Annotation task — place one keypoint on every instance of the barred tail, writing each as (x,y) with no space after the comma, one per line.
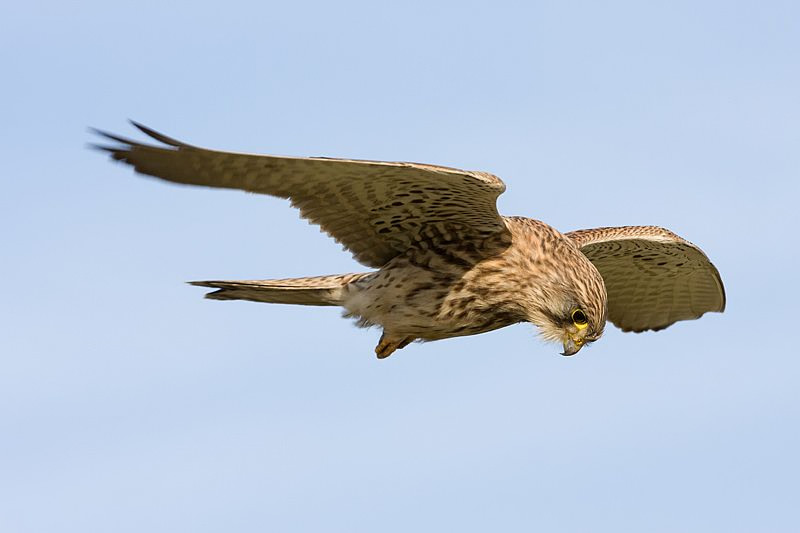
(318,290)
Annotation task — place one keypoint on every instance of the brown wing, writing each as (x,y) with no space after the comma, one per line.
(375,209)
(653,277)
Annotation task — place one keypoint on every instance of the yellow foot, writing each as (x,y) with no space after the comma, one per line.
(387,345)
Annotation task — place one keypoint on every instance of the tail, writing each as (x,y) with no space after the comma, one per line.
(318,290)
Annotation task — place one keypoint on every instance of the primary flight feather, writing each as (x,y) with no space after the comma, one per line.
(447,264)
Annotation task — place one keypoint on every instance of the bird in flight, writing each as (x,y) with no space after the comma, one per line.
(445,262)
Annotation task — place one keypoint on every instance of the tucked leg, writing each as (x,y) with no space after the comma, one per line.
(406,342)
(389,343)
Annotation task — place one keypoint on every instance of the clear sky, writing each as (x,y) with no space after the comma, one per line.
(130,404)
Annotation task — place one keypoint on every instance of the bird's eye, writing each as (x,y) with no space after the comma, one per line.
(579,319)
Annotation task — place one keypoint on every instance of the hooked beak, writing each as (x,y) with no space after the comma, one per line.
(571,347)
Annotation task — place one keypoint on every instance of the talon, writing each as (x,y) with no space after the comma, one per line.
(406,342)
(387,345)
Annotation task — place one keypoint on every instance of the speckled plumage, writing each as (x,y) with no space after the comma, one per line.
(447,263)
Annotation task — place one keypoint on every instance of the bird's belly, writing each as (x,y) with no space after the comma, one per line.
(421,303)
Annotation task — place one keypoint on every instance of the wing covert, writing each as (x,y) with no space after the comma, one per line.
(653,277)
(375,209)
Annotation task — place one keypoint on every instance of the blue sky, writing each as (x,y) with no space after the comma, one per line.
(128,403)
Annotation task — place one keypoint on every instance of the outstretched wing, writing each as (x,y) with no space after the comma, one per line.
(653,277)
(377,210)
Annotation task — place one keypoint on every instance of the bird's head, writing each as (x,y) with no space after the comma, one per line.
(579,330)
(571,305)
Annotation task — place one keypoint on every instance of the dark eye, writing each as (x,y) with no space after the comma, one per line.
(579,318)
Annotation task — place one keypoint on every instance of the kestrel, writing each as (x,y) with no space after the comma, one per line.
(446,263)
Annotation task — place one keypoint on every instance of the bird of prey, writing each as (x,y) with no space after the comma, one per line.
(445,263)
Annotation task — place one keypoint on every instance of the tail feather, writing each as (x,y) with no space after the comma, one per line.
(318,290)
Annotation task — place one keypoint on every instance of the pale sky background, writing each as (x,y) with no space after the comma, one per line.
(130,404)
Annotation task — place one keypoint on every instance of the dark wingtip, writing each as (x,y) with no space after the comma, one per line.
(113,137)
(156,135)
(221,294)
(117,153)
(202,284)
(101,147)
